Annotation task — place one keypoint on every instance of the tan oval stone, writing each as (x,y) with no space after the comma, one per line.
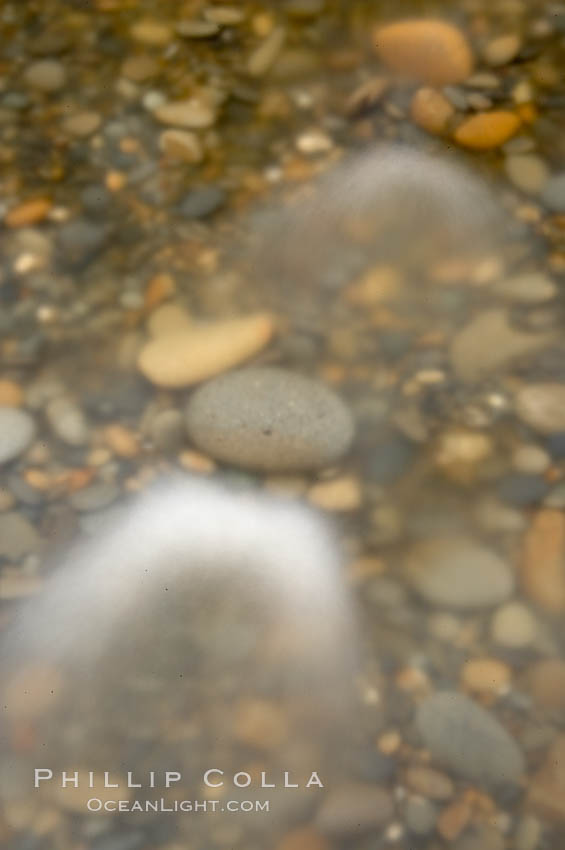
(28,212)
(543,564)
(193,113)
(487,130)
(486,676)
(188,357)
(182,145)
(11,394)
(341,494)
(431,110)
(121,440)
(433,51)
(168,319)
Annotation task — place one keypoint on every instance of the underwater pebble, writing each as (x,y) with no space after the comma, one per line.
(542,407)
(167,430)
(513,626)
(202,351)
(340,494)
(192,114)
(546,789)
(269,419)
(553,195)
(468,739)
(487,676)
(429,782)
(181,145)
(530,459)
(431,50)
(431,110)
(527,172)
(202,202)
(420,815)
(353,809)
(543,561)
(488,342)
(67,421)
(456,572)
(487,130)
(46,75)
(17,430)
(522,490)
(502,49)
(18,537)
(527,288)
(95,497)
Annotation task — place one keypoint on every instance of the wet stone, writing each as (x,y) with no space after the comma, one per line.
(527,172)
(353,810)
(17,430)
(95,497)
(202,202)
(67,421)
(96,200)
(469,740)
(553,195)
(527,288)
(542,407)
(269,419)
(80,241)
(46,75)
(522,490)
(420,815)
(456,572)
(18,537)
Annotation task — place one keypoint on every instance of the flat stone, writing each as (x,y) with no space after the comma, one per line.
(202,351)
(542,407)
(67,421)
(181,145)
(82,124)
(469,740)
(528,288)
(546,789)
(46,75)
(431,110)
(18,537)
(522,490)
(17,430)
(553,195)
(420,815)
(430,50)
(202,202)
(269,419)
(502,49)
(95,497)
(193,113)
(514,626)
(456,572)
(543,561)
(487,130)
(354,809)
(527,172)
(489,343)
(79,241)
(196,28)
(263,57)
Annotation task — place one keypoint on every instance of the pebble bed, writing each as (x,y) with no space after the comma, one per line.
(213,265)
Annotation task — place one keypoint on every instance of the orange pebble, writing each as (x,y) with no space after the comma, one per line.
(11,394)
(28,212)
(487,130)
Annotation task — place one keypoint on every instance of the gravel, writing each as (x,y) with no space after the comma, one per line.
(17,430)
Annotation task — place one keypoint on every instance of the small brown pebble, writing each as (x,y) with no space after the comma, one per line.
(366,96)
(487,130)
(151,32)
(181,145)
(546,792)
(431,110)
(341,494)
(159,288)
(121,440)
(82,124)
(432,51)
(140,68)
(429,783)
(543,562)
(197,462)
(502,50)
(11,394)
(545,682)
(28,212)
(453,819)
(37,478)
(486,676)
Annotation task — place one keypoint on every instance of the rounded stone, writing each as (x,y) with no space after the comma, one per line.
(514,626)
(17,430)
(553,195)
(429,50)
(542,407)
(457,572)
(46,75)
(67,421)
(527,172)
(487,130)
(269,419)
(469,740)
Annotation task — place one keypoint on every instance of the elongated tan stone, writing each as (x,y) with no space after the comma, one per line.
(432,51)
(543,564)
(487,130)
(198,353)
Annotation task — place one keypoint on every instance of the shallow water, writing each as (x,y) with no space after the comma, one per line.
(419,279)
